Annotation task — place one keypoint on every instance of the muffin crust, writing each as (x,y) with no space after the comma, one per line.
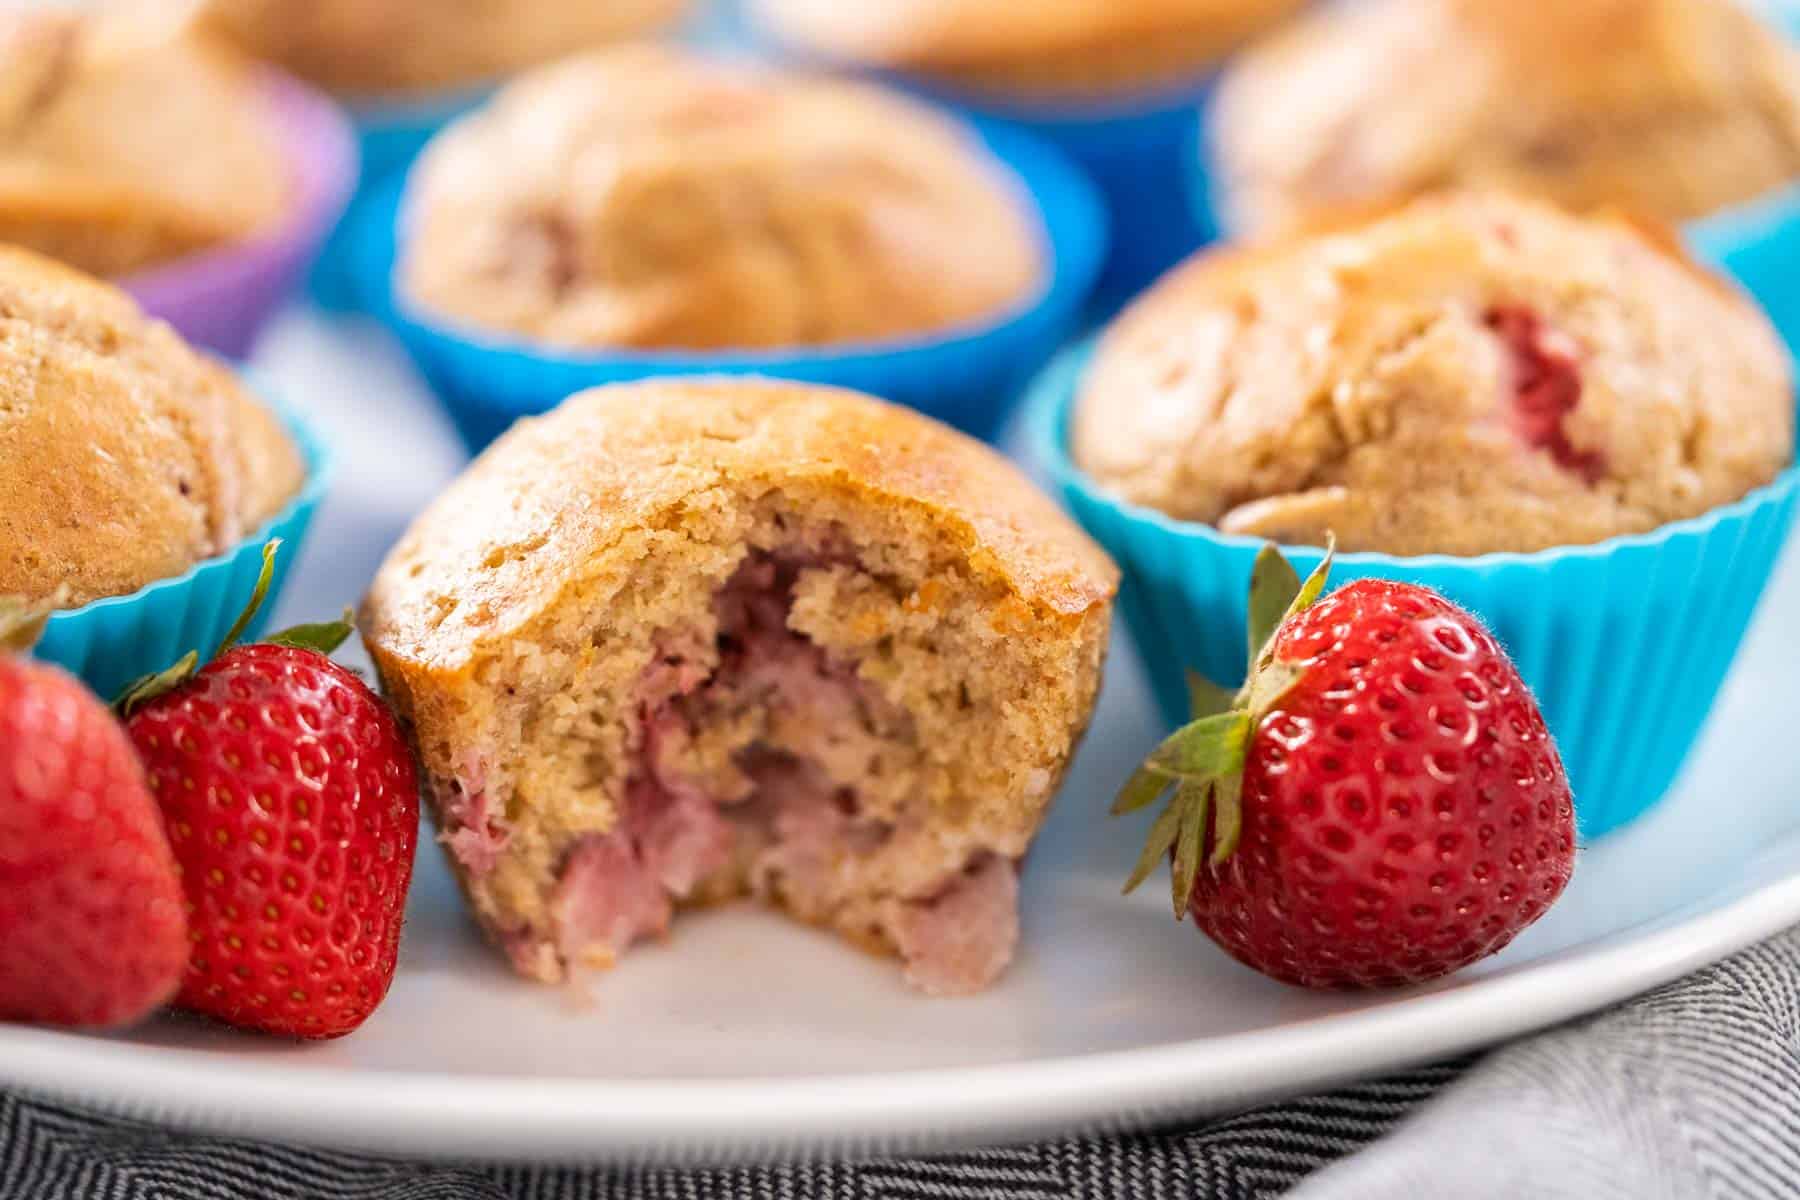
(125,457)
(1670,108)
(742,637)
(384,47)
(1046,47)
(644,197)
(1471,373)
(126,143)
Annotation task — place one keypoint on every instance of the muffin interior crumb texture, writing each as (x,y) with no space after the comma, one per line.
(798,723)
(651,198)
(778,681)
(1469,374)
(1671,108)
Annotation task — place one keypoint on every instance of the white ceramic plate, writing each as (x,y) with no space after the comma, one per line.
(749,1036)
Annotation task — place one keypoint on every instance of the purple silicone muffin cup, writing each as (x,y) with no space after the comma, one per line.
(222,299)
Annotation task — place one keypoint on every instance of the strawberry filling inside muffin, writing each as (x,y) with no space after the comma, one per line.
(763,764)
(1546,389)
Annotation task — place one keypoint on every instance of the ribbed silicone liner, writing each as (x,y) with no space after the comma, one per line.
(1624,642)
(112,641)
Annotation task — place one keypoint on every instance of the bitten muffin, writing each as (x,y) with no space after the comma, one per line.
(1470,373)
(372,48)
(647,197)
(1671,108)
(687,640)
(1044,47)
(126,143)
(125,457)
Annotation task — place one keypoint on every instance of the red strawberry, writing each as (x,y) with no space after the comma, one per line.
(91,924)
(292,805)
(1386,803)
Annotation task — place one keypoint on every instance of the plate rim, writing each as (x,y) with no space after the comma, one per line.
(517,1118)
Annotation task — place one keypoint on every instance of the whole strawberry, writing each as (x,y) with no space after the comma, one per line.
(91,925)
(1380,804)
(292,805)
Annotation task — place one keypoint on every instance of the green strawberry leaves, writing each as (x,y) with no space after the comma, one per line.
(264,579)
(1274,586)
(322,638)
(1194,759)
(1203,761)
(146,688)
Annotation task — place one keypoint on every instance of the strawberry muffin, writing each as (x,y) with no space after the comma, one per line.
(1045,48)
(126,143)
(688,640)
(1469,373)
(651,198)
(125,457)
(389,47)
(1673,108)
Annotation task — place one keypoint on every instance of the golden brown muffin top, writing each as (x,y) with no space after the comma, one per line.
(547,500)
(125,141)
(1471,373)
(644,197)
(125,457)
(1671,108)
(1046,46)
(376,47)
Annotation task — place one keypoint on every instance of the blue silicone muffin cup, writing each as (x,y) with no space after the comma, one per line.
(1139,152)
(1624,642)
(1758,244)
(113,641)
(389,135)
(968,377)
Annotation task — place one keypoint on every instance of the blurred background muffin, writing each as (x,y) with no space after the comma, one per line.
(1469,374)
(1118,85)
(1042,48)
(1671,108)
(125,457)
(127,143)
(650,197)
(389,47)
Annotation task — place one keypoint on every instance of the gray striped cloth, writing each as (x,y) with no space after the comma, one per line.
(1690,1092)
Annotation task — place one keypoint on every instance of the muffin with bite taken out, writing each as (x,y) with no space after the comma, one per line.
(687,640)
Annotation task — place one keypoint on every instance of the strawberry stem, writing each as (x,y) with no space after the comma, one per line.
(259,593)
(1204,760)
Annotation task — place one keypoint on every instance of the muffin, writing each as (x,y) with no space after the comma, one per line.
(686,640)
(650,198)
(1045,48)
(125,457)
(1469,373)
(388,47)
(127,143)
(1670,108)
